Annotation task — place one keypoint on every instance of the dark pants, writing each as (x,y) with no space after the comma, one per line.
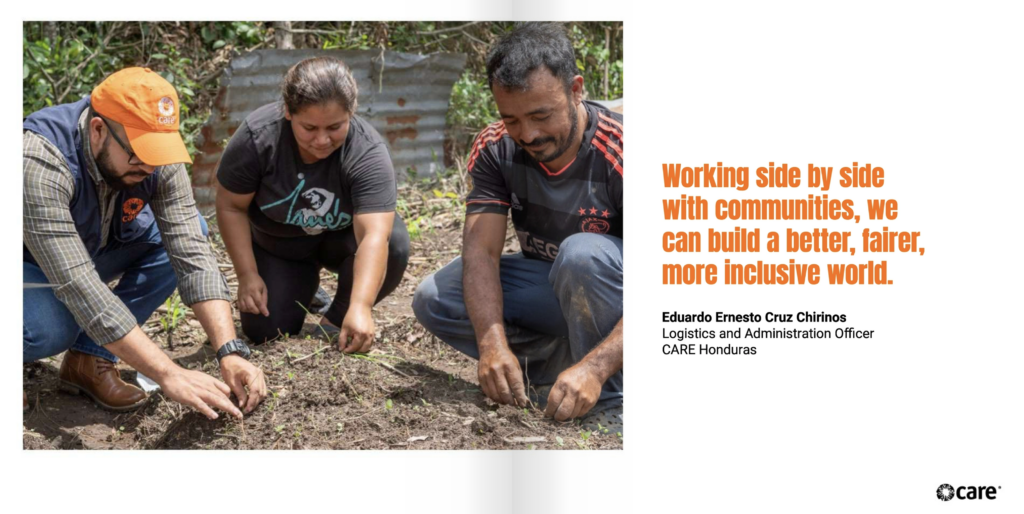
(146,281)
(555,312)
(290,268)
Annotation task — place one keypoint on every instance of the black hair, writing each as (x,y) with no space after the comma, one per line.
(528,47)
(318,80)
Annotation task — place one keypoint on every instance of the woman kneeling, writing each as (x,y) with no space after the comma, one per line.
(305,184)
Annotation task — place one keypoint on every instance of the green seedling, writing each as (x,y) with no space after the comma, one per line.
(585,435)
(388,405)
(175,310)
(291,376)
(559,441)
(619,434)
(341,427)
(425,404)
(327,337)
(279,429)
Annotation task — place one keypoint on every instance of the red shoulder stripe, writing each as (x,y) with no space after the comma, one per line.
(611,159)
(610,120)
(610,130)
(493,132)
(611,144)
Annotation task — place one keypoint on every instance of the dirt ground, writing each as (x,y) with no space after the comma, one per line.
(411,392)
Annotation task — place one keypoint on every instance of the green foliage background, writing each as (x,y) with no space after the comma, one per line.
(62,61)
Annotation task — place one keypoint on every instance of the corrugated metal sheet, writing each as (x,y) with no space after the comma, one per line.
(405,97)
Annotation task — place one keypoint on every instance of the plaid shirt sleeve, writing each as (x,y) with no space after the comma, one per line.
(50,235)
(199,278)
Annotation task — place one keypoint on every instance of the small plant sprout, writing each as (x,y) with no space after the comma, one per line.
(279,429)
(559,441)
(291,376)
(388,405)
(585,435)
(619,434)
(425,403)
(341,427)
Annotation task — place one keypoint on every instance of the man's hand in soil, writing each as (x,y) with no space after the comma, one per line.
(200,391)
(252,294)
(357,330)
(575,392)
(578,388)
(501,378)
(245,380)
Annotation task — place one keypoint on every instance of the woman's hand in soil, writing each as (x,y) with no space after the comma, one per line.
(252,294)
(501,378)
(200,391)
(357,330)
(245,380)
(575,392)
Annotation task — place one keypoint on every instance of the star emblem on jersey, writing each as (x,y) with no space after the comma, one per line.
(593,210)
(582,211)
(604,213)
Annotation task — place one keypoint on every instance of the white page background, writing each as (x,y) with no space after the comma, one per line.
(932,93)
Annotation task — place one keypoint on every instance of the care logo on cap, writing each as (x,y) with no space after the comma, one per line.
(166,108)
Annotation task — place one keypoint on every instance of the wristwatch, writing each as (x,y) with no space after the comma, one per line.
(234,346)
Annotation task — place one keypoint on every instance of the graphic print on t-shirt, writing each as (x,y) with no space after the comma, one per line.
(319,211)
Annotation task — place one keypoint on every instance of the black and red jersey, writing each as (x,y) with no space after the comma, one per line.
(550,205)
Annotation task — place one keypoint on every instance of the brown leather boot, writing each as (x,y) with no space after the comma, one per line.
(99,379)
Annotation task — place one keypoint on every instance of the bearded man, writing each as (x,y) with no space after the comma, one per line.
(550,316)
(107,197)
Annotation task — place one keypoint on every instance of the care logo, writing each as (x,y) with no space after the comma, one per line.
(131,209)
(946,492)
(166,108)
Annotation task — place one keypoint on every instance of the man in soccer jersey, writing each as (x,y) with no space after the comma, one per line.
(545,323)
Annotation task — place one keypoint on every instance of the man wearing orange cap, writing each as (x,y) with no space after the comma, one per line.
(106,195)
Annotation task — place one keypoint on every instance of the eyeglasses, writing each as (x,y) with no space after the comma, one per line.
(133,160)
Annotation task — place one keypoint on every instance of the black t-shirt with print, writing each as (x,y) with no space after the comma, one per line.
(550,205)
(295,199)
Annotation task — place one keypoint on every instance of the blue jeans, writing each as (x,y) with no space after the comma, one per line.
(147,280)
(555,313)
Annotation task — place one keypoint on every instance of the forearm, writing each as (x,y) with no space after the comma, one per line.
(483,297)
(234,229)
(368,270)
(606,359)
(215,316)
(141,353)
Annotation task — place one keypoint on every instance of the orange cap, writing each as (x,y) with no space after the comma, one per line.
(148,107)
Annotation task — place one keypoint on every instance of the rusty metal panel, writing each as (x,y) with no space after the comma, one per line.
(404,96)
